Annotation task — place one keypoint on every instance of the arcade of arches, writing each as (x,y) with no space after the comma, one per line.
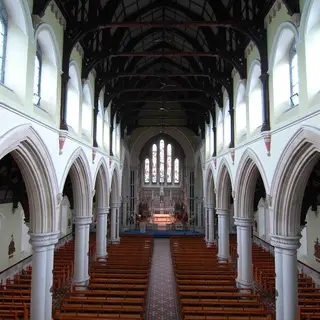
(126,121)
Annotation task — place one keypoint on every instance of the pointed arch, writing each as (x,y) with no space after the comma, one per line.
(210,186)
(224,185)
(36,166)
(245,183)
(79,169)
(115,185)
(101,183)
(292,173)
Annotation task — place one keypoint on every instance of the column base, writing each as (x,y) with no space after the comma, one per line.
(210,244)
(223,258)
(115,241)
(81,282)
(245,285)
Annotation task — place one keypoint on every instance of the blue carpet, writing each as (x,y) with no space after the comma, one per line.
(164,233)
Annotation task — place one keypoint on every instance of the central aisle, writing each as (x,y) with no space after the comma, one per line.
(162,303)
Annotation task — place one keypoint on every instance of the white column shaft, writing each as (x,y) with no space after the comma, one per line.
(279,282)
(290,284)
(210,225)
(113,223)
(246,255)
(79,253)
(101,240)
(223,225)
(49,282)
(86,255)
(239,252)
(38,283)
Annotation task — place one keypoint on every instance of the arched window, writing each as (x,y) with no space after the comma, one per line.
(294,75)
(161,158)
(169,163)
(176,171)
(3,39)
(154,163)
(241,112)
(37,76)
(87,114)
(100,125)
(106,130)
(219,129)
(147,170)
(227,125)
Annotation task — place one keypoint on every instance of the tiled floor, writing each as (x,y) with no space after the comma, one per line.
(162,303)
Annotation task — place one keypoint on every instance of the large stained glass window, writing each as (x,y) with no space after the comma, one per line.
(169,163)
(154,163)
(176,171)
(147,170)
(161,160)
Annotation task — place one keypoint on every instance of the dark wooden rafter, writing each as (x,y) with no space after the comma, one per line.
(217,43)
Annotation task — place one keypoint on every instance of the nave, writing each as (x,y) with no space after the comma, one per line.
(146,278)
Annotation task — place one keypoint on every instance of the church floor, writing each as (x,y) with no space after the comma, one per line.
(162,303)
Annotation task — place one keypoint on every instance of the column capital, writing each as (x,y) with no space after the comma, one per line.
(82,220)
(114,205)
(243,222)
(102,211)
(222,212)
(210,206)
(40,240)
(283,242)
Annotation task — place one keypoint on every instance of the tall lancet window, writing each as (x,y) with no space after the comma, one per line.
(169,163)
(147,170)
(154,163)
(161,160)
(176,171)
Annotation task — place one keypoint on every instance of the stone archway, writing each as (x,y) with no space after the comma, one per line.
(210,209)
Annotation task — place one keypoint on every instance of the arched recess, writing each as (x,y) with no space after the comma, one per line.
(79,171)
(101,182)
(254,96)
(87,111)
(210,187)
(36,166)
(292,174)
(286,36)
(224,186)
(73,97)
(115,186)
(50,66)
(310,33)
(251,190)
(241,111)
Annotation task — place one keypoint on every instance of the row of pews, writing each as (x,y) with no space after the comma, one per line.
(207,288)
(117,287)
(264,274)
(15,295)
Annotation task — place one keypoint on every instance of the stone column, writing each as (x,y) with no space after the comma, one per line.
(82,225)
(223,234)
(210,225)
(114,224)
(198,215)
(244,232)
(286,276)
(101,235)
(42,274)
(125,213)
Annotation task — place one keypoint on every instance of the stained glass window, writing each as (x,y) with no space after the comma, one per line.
(3,38)
(161,160)
(169,163)
(154,163)
(176,171)
(147,170)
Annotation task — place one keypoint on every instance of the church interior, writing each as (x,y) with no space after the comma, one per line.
(160,159)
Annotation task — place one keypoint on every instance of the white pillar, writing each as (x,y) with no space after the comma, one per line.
(101,235)
(125,213)
(287,278)
(223,234)
(41,283)
(198,215)
(114,224)
(244,232)
(210,225)
(82,225)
